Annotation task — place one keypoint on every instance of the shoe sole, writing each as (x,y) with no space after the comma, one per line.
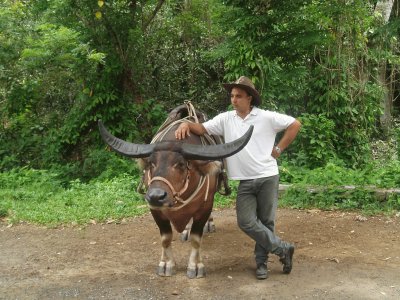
(261,277)
(262,273)
(288,267)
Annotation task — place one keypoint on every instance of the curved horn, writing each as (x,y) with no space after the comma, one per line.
(125,148)
(212,152)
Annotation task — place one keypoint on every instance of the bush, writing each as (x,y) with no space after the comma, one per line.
(101,165)
(314,144)
(324,187)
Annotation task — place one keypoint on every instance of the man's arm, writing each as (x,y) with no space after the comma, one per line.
(186,128)
(287,138)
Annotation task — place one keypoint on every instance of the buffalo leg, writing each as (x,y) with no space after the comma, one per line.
(209,227)
(195,266)
(167,262)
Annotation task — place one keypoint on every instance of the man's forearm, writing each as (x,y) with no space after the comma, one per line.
(289,135)
(197,128)
(186,128)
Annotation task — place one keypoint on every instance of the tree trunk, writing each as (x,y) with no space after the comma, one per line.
(384,7)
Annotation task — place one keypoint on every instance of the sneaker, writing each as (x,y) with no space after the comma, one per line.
(287,258)
(262,271)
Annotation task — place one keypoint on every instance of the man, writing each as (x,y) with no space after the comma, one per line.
(255,166)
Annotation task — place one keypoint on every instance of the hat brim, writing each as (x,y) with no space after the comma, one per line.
(254,93)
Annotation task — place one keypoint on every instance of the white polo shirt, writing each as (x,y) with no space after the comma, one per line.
(254,160)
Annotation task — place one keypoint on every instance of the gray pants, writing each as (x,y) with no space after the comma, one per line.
(256,204)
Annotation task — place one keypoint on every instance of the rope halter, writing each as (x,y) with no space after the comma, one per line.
(204,180)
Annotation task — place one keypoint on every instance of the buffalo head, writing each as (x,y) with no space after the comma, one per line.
(174,168)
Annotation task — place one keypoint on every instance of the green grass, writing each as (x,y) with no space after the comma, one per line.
(330,193)
(38,197)
(44,197)
(221,201)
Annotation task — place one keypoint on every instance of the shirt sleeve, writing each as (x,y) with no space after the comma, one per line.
(215,126)
(281,122)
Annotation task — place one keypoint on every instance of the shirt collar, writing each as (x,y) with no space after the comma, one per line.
(253,112)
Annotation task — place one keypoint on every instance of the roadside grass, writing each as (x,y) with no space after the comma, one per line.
(37,196)
(324,188)
(43,197)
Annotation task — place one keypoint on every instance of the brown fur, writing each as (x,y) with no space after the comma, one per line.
(172,166)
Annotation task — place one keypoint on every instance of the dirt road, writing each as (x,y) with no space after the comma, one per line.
(338,256)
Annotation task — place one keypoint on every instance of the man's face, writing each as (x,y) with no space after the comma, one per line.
(240,99)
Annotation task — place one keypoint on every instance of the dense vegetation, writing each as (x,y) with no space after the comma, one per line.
(44,197)
(64,64)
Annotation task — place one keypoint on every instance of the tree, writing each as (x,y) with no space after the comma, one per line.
(384,8)
(75,61)
(313,56)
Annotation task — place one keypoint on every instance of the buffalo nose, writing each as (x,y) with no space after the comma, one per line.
(156,196)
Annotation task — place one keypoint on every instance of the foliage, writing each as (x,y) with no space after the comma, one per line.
(315,57)
(335,173)
(66,64)
(38,196)
(315,141)
(396,134)
(339,198)
(101,164)
(45,197)
(48,197)
(324,187)
(221,201)
(41,95)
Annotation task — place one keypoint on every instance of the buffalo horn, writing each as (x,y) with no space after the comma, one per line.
(125,148)
(213,152)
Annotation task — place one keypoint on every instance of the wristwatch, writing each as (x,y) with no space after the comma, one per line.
(277,149)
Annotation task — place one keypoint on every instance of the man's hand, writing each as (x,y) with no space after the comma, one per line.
(275,154)
(287,139)
(182,131)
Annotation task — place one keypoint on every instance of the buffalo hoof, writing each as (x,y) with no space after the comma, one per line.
(198,272)
(165,269)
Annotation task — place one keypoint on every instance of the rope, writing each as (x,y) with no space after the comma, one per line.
(188,200)
(206,139)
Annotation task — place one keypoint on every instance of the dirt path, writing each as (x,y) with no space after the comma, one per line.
(338,256)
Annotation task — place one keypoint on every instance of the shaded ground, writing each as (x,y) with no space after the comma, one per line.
(338,256)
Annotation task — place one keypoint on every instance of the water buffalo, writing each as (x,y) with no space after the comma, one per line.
(181,180)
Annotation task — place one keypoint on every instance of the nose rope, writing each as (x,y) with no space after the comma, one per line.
(176,194)
(203,179)
(177,197)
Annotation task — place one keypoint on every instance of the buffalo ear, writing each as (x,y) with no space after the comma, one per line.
(143,163)
(207,167)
